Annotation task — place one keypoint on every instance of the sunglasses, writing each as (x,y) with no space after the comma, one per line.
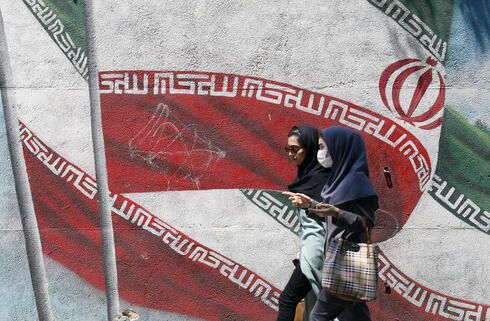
(292,149)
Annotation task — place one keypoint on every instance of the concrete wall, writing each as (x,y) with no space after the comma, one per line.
(197,98)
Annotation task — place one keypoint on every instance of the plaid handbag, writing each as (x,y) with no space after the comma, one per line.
(350,270)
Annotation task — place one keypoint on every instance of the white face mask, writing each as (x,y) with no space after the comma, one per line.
(323,159)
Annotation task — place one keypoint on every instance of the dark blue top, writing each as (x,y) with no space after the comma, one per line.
(349,178)
(348,187)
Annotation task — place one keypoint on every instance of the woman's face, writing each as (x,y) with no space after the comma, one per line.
(323,156)
(296,152)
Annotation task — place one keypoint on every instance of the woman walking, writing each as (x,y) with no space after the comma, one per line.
(311,177)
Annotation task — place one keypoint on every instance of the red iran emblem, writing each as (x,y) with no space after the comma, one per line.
(423,108)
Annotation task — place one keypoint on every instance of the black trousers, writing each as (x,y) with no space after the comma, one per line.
(297,288)
(328,307)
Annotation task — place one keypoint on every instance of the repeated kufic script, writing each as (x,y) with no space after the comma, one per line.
(195,252)
(56,29)
(345,113)
(278,210)
(397,11)
(57,165)
(430,301)
(140,217)
(459,204)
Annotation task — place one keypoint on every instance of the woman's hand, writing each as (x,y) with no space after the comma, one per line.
(298,199)
(323,210)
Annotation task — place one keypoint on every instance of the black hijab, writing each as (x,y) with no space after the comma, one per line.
(349,179)
(311,175)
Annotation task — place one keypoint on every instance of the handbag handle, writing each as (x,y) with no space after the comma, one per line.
(368,233)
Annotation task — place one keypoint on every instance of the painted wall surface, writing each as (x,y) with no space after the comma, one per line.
(197,98)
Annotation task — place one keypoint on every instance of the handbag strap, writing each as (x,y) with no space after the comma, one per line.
(368,233)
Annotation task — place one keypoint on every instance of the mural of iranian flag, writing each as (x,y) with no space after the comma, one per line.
(209,106)
(197,99)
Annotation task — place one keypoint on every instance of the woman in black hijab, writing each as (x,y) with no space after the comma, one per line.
(348,203)
(311,177)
